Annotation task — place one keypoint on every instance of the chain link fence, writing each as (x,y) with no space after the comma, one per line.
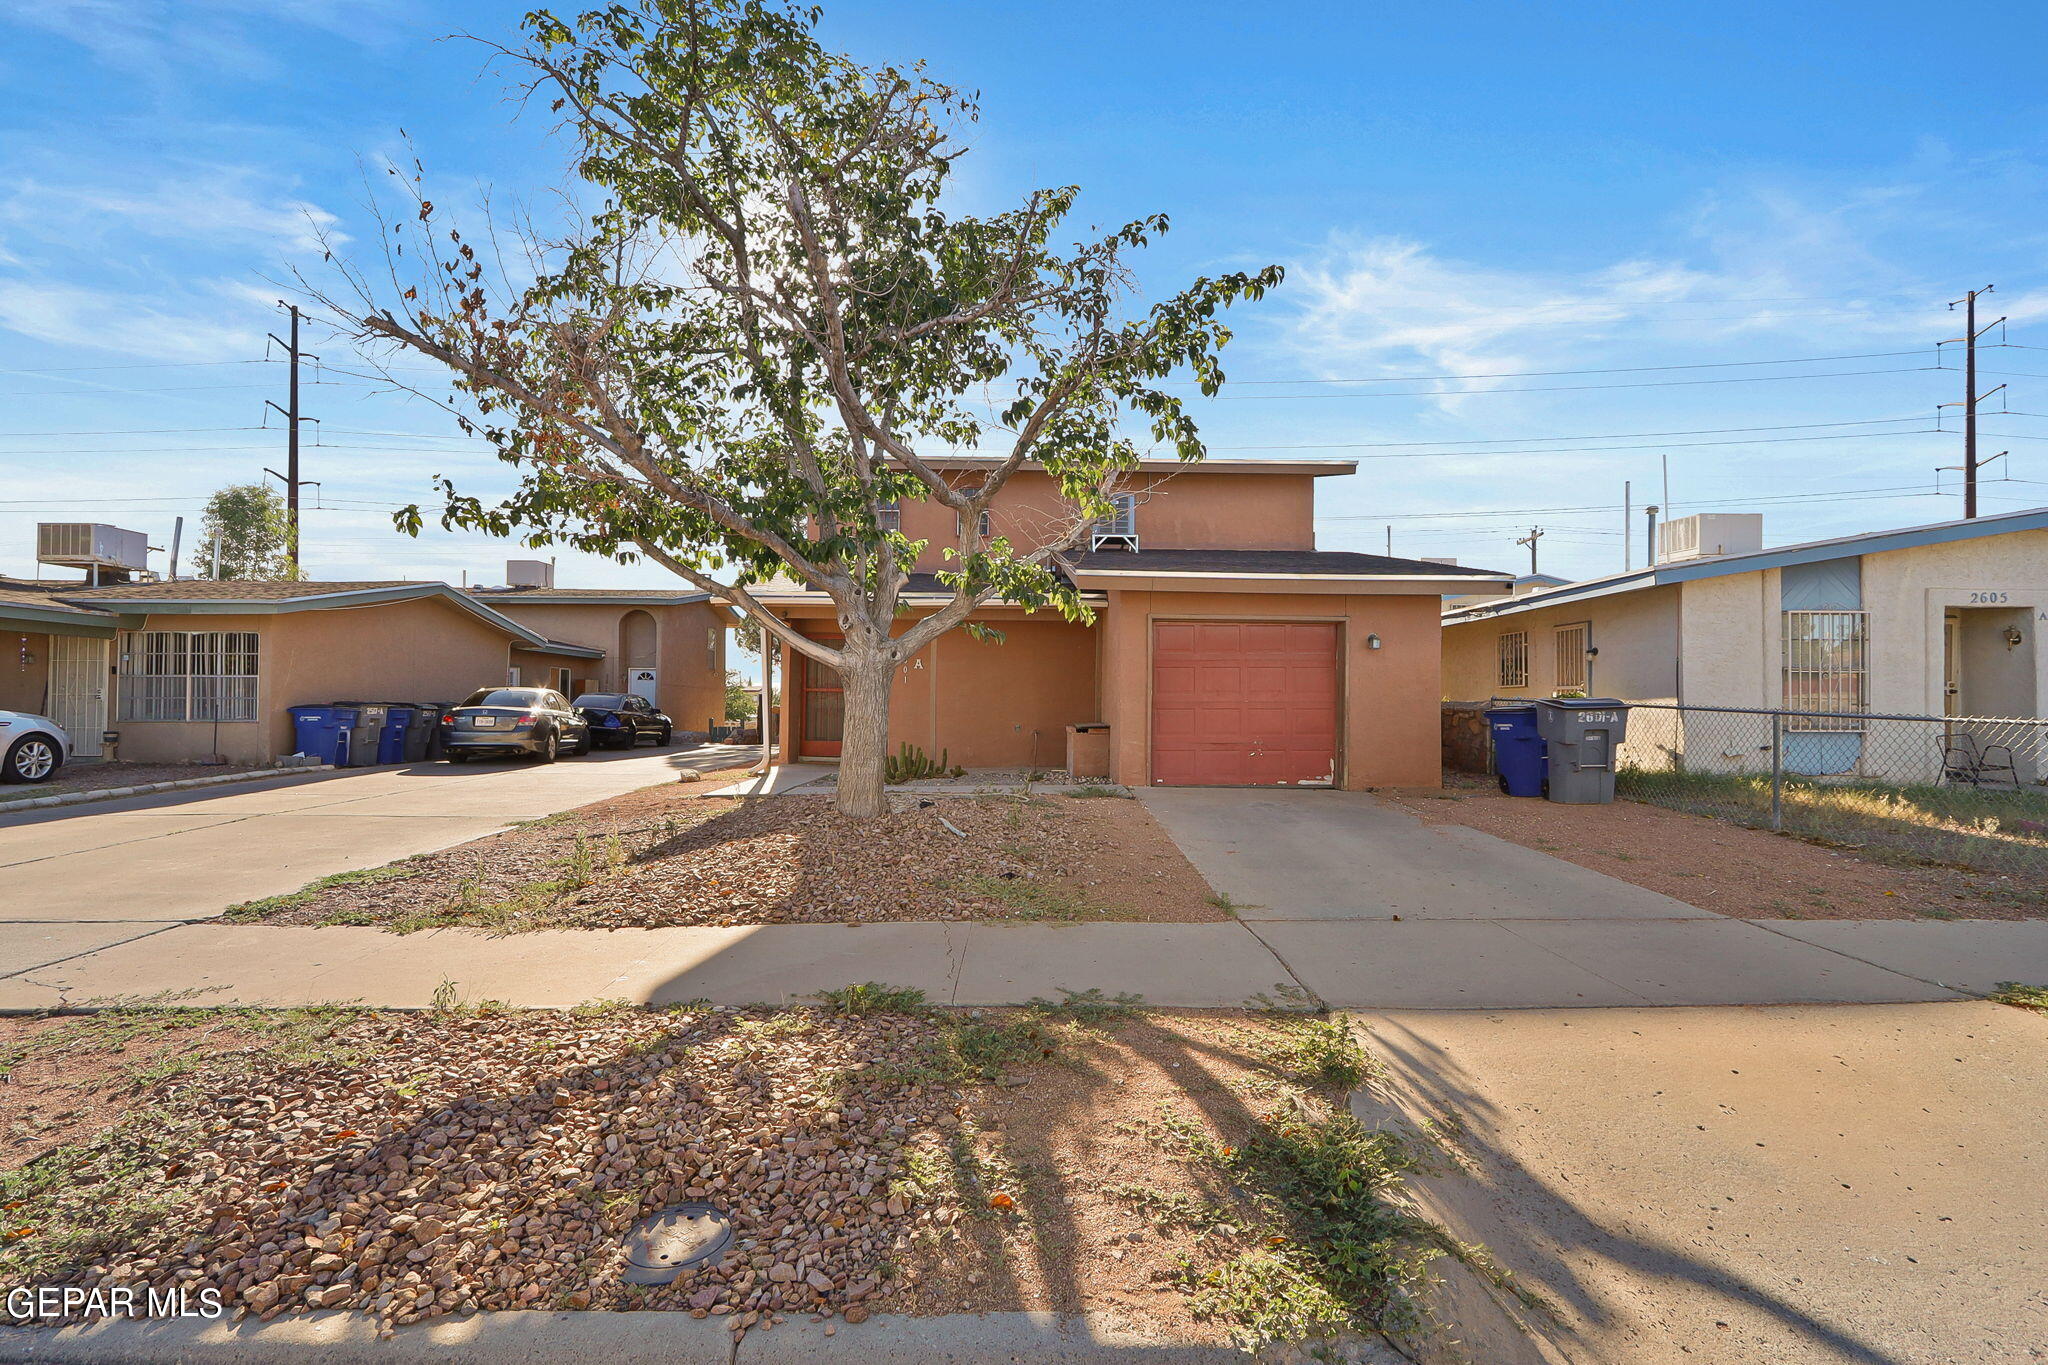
(1965,791)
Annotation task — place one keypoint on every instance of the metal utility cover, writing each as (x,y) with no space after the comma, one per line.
(663,1245)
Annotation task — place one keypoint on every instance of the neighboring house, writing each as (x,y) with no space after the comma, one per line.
(667,646)
(1522,587)
(1225,650)
(196,667)
(1929,620)
(53,660)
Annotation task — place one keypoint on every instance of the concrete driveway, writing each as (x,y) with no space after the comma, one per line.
(1838,1185)
(1368,906)
(78,878)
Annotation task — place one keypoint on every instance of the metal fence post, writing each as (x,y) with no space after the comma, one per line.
(1777,770)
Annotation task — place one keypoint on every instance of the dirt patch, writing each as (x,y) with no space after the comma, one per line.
(1723,867)
(661,857)
(871,1155)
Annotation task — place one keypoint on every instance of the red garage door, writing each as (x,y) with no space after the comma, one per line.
(1243,703)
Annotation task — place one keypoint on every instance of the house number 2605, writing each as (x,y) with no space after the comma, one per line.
(1990,597)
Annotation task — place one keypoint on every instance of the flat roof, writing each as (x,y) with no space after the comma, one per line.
(1313,468)
(1783,556)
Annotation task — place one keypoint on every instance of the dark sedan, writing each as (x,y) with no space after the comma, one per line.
(619,720)
(514,720)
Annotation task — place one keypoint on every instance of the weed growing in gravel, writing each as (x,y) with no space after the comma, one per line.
(1165,1209)
(1028,899)
(1098,793)
(247,911)
(1092,1007)
(2021,996)
(295,1035)
(1321,1054)
(872,997)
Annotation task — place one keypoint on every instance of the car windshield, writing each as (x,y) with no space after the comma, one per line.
(601,701)
(504,696)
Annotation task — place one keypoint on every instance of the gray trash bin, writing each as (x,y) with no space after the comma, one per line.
(1584,735)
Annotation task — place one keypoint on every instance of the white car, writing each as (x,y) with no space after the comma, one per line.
(32,747)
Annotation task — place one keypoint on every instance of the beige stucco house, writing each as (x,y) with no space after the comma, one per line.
(1940,620)
(188,668)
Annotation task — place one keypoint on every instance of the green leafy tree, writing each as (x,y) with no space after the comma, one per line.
(255,532)
(741,697)
(773,322)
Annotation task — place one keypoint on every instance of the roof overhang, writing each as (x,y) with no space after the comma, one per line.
(561,647)
(1378,585)
(354,599)
(56,621)
(618,599)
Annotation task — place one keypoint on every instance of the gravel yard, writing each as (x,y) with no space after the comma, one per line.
(1724,867)
(662,857)
(871,1154)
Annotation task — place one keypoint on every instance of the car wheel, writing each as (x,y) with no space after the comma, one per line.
(550,746)
(581,746)
(668,733)
(457,755)
(32,758)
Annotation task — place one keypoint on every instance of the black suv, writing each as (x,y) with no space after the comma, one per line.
(513,720)
(619,720)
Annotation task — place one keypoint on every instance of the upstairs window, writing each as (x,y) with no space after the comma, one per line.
(889,516)
(960,526)
(1514,659)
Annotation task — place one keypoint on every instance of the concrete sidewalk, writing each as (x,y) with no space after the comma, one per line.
(1358,965)
(188,855)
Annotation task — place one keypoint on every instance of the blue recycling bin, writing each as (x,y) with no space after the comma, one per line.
(391,739)
(1519,753)
(318,732)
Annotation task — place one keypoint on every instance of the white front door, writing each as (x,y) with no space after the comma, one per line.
(640,682)
(78,690)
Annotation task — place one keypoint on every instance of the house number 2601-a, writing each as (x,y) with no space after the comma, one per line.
(1993,597)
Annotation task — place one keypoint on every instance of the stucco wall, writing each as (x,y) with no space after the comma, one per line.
(23,680)
(403,651)
(1390,729)
(1636,634)
(690,641)
(1907,593)
(1182,511)
(986,705)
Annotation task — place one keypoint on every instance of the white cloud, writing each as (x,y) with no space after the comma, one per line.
(208,203)
(155,38)
(74,315)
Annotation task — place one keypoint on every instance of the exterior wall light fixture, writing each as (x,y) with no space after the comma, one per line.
(1372,642)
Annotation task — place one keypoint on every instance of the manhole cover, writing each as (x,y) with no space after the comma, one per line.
(664,1245)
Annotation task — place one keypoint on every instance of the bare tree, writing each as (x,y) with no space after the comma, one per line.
(770,328)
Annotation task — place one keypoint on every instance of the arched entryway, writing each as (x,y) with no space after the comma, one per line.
(639,654)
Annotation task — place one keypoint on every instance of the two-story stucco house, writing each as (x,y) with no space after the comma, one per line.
(1225,648)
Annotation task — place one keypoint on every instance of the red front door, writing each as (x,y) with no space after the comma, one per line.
(824,710)
(1243,703)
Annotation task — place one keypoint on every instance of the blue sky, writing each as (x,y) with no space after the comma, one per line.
(1455,189)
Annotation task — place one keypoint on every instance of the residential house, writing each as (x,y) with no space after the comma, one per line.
(187,668)
(1945,619)
(1226,649)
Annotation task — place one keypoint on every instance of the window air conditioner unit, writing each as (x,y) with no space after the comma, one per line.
(1119,532)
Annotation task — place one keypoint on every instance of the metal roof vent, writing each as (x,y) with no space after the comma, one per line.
(663,1245)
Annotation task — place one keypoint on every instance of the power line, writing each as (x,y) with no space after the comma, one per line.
(1573,388)
(1616,369)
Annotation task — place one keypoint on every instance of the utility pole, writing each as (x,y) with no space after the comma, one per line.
(1628,526)
(1971,398)
(1390,540)
(292,481)
(1535,534)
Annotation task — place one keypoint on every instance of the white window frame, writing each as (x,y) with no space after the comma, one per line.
(1122,527)
(889,515)
(960,524)
(190,675)
(1511,668)
(1573,666)
(1824,665)
(512,676)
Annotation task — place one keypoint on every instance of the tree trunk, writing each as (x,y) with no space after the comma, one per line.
(864,735)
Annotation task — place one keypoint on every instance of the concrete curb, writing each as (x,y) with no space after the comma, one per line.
(606,1338)
(151,788)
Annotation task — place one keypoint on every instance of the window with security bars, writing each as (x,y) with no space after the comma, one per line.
(189,675)
(1514,659)
(889,515)
(1826,658)
(1570,645)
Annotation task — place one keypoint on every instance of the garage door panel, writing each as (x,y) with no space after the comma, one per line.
(1244,703)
